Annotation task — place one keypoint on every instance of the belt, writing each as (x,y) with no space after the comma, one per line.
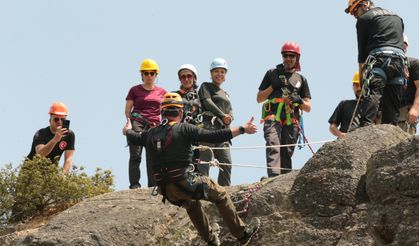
(272,117)
(387,50)
(169,175)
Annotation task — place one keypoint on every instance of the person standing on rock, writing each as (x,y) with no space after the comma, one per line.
(344,112)
(285,94)
(217,114)
(192,106)
(409,110)
(382,62)
(170,148)
(142,107)
(51,142)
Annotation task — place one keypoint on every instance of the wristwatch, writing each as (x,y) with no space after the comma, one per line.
(241,130)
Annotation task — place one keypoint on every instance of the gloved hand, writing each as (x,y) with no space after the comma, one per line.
(296,99)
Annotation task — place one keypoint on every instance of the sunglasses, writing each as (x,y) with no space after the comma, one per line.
(149,73)
(184,76)
(58,119)
(289,55)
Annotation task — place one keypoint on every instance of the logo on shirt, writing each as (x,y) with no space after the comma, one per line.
(63,145)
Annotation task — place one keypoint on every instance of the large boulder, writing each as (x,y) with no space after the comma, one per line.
(333,181)
(392,185)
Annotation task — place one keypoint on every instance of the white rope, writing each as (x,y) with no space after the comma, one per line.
(215,163)
(202,147)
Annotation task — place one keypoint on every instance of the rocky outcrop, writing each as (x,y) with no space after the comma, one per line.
(361,190)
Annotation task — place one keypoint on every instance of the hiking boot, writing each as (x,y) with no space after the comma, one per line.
(250,230)
(135,186)
(215,232)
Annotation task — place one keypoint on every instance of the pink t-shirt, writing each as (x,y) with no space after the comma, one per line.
(147,102)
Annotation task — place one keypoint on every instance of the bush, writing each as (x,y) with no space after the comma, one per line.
(40,186)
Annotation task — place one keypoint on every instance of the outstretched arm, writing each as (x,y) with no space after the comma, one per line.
(222,135)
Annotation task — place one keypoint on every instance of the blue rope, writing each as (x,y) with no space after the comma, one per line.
(301,133)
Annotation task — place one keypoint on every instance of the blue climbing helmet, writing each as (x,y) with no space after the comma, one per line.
(218,63)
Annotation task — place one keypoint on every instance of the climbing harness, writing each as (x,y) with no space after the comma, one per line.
(175,176)
(139,116)
(191,107)
(162,136)
(267,106)
(388,54)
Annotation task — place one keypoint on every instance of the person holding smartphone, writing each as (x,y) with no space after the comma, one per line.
(57,138)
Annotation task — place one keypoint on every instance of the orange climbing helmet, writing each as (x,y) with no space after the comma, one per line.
(58,108)
(352,5)
(172,99)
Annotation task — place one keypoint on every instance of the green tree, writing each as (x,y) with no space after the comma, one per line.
(39,185)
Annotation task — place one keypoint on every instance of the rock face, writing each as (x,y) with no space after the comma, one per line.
(361,190)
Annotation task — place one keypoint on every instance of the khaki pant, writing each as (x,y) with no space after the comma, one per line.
(215,194)
(411,129)
(279,159)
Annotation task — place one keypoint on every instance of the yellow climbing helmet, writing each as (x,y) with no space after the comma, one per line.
(149,65)
(355,80)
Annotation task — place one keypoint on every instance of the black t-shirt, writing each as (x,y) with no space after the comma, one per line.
(177,145)
(220,98)
(281,80)
(378,28)
(343,114)
(44,135)
(410,92)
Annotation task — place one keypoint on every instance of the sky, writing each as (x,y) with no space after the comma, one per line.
(87,54)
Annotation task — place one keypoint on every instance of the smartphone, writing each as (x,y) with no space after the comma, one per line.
(66,124)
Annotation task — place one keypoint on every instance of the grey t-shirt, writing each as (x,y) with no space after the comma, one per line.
(220,98)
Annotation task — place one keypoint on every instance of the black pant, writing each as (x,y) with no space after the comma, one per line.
(135,152)
(383,96)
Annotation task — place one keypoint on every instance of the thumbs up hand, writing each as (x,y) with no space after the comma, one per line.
(250,127)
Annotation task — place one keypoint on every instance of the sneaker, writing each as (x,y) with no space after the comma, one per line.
(250,230)
(135,186)
(215,232)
